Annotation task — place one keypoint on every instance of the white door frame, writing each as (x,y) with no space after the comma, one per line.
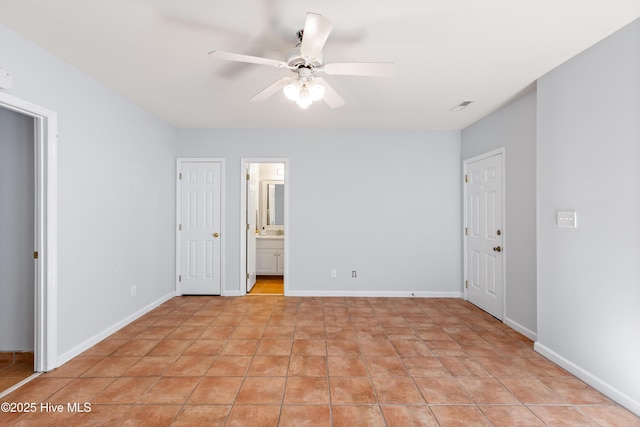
(243,220)
(179,162)
(465,165)
(46,229)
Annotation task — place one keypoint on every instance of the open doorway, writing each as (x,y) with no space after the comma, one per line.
(17,243)
(265,215)
(41,241)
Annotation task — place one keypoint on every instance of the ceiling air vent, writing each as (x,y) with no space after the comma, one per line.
(461,106)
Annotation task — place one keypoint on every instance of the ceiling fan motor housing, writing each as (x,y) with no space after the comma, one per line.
(304,73)
(296,61)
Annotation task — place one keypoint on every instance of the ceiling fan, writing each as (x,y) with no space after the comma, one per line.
(305,61)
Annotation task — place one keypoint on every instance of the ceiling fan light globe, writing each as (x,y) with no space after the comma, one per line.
(316,91)
(292,90)
(304,103)
(305,100)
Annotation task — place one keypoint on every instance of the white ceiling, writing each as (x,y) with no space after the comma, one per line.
(154,52)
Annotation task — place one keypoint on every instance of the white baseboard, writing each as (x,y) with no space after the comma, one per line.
(595,382)
(518,327)
(374,294)
(234,293)
(65,357)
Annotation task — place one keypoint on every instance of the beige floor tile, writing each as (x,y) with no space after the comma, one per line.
(442,391)
(561,416)
(397,390)
(201,415)
(308,366)
(511,416)
(487,391)
(408,416)
(261,391)
(297,361)
(305,416)
(306,391)
(460,416)
(216,391)
(349,416)
(253,415)
(352,391)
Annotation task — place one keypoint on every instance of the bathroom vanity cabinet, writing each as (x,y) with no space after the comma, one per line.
(270,255)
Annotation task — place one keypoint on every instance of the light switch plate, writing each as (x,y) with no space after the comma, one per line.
(567,219)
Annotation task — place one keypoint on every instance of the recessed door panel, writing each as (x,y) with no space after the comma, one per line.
(192,210)
(490,271)
(475,269)
(209,211)
(490,214)
(192,259)
(209,253)
(475,215)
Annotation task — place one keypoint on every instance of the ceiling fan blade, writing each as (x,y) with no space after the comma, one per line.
(331,97)
(272,88)
(247,58)
(373,69)
(314,36)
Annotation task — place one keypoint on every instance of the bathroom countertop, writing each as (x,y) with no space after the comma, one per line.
(270,236)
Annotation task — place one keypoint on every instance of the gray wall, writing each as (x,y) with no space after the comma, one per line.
(514,128)
(116,179)
(589,277)
(386,204)
(16,231)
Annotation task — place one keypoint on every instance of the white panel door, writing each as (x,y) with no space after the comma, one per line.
(251,220)
(200,234)
(484,234)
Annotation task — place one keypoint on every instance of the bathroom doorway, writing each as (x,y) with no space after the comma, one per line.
(265,223)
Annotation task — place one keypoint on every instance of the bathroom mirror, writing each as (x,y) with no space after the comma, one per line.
(272,203)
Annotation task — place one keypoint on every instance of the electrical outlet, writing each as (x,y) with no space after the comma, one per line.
(334,273)
(567,219)
(133,291)
(354,274)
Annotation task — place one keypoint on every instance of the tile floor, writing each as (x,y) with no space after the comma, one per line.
(14,367)
(273,360)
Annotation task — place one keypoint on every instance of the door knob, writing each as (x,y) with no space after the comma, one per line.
(216,235)
(497,248)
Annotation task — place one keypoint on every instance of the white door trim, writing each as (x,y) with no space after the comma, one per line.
(46,229)
(243,225)
(465,165)
(179,162)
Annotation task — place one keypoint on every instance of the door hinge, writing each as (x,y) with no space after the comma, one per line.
(180,278)
(466,284)
(35,255)
(180,227)
(180,175)
(247,276)
(248,177)
(466,178)
(466,231)
(248,226)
